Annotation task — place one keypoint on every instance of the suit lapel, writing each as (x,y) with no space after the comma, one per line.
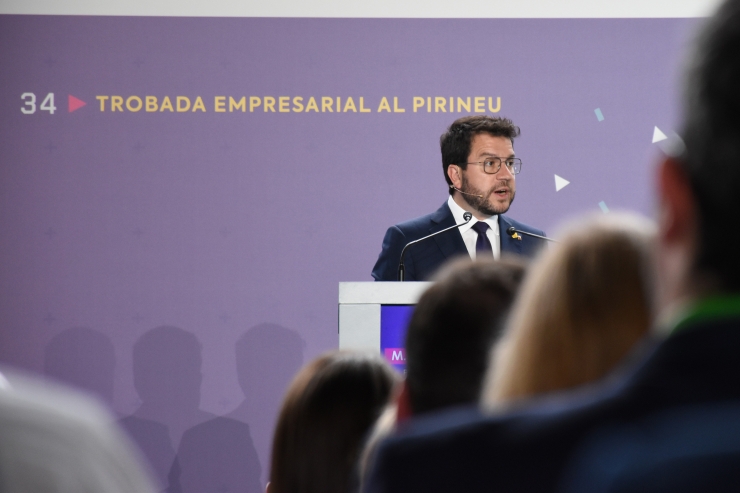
(451,243)
(508,244)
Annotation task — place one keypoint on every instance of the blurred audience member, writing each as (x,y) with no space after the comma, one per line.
(582,309)
(694,368)
(54,440)
(381,429)
(329,408)
(452,329)
(448,340)
(688,449)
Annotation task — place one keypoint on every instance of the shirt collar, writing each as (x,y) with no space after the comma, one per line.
(457,213)
(685,313)
(710,308)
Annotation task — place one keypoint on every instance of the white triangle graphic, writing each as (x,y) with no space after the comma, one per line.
(658,135)
(560,183)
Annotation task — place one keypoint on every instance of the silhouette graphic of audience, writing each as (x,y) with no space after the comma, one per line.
(167,377)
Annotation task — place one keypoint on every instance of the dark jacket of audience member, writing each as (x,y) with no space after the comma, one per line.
(449,336)
(584,305)
(452,329)
(328,409)
(638,432)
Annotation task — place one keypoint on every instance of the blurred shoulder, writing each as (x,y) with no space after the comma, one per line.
(56,439)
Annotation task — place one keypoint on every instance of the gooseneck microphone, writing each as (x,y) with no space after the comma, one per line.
(401,269)
(466,193)
(511,231)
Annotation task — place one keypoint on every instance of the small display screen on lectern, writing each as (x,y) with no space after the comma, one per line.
(394,320)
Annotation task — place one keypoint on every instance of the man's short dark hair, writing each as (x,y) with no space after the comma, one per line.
(711,157)
(452,329)
(455,142)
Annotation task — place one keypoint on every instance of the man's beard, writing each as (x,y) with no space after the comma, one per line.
(481,204)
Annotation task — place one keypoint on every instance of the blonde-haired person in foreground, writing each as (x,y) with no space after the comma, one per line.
(693,367)
(581,310)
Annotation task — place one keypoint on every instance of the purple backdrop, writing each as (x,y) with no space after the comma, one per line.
(228,232)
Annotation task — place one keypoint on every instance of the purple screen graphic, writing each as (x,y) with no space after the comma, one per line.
(394,320)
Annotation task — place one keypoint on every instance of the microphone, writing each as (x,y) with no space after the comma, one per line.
(401,269)
(466,193)
(511,231)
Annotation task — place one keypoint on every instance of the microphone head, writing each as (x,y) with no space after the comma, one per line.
(467,216)
(511,231)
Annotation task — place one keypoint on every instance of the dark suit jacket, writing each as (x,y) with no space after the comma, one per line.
(685,450)
(423,259)
(530,450)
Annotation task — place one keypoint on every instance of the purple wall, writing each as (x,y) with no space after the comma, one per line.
(232,230)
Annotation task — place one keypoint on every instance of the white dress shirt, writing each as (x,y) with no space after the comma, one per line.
(468,233)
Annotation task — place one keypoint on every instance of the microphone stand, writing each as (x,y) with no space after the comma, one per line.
(511,231)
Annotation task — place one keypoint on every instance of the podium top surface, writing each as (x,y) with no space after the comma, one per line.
(384,293)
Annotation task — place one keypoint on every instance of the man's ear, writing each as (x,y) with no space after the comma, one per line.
(677,241)
(455,176)
(677,204)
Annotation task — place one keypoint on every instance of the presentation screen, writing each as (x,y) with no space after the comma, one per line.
(394,320)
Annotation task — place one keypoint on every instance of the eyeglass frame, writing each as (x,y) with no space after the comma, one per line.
(500,162)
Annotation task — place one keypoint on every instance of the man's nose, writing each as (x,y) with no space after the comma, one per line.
(504,173)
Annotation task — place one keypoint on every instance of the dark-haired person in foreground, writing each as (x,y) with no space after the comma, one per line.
(328,409)
(449,337)
(480,167)
(453,327)
(694,372)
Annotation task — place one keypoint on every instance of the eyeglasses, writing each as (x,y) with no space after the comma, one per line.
(493,165)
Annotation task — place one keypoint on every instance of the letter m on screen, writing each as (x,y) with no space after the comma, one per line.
(395,355)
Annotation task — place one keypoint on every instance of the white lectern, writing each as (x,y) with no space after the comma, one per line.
(359,309)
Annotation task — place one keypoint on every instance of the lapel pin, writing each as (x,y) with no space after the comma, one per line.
(516,236)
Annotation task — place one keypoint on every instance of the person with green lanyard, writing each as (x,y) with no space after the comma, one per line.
(671,422)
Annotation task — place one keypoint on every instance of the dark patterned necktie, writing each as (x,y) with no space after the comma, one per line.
(482,244)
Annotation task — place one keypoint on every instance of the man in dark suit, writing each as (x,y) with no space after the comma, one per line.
(480,166)
(693,371)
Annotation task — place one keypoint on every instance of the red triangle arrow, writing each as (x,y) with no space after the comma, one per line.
(75,104)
